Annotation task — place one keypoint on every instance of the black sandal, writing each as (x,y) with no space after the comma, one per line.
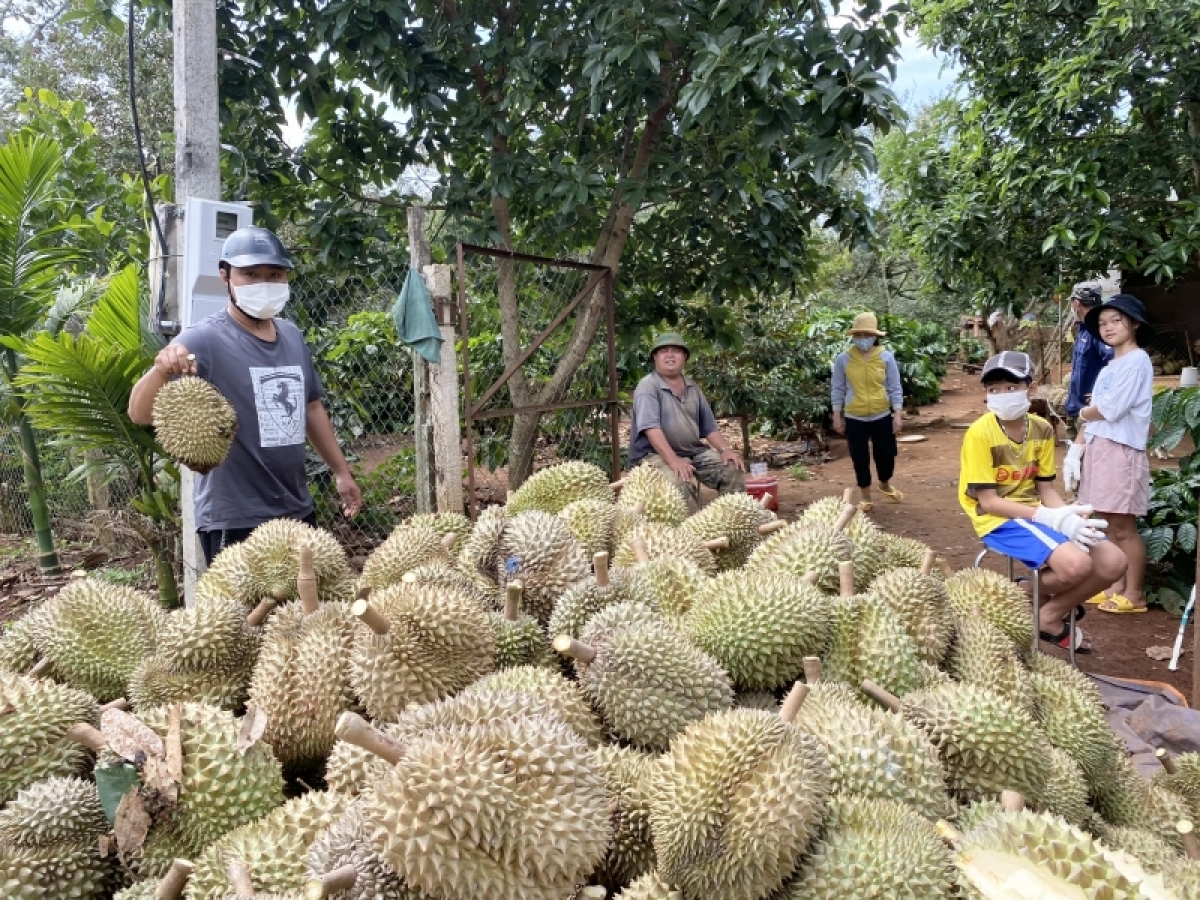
(1063,638)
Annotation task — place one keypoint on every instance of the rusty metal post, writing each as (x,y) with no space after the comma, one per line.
(468,422)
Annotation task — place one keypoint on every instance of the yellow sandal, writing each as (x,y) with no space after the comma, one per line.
(892,494)
(1120,605)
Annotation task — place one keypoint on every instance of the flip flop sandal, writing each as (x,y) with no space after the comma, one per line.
(1097,599)
(892,494)
(1061,640)
(865,506)
(1120,605)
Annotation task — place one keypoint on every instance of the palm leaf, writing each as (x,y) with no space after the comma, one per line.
(72,301)
(119,316)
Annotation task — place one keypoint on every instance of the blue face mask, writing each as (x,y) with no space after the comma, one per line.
(863,343)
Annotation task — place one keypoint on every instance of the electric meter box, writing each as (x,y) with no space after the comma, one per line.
(206,225)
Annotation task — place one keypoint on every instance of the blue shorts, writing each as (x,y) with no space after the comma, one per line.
(1028,542)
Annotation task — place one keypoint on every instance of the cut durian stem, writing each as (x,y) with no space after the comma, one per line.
(449,539)
(1187,834)
(568,646)
(1166,760)
(1012,801)
(87,735)
(239,876)
(512,601)
(120,703)
(846,578)
(171,885)
(618,484)
(844,519)
(40,668)
(600,565)
(812,669)
(371,617)
(640,552)
(331,883)
(765,501)
(768,527)
(593,892)
(848,496)
(306,582)
(354,729)
(793,701)
(721,543)
(944,565)
(948,832)
(812,577)
(259,614)
(928,561)
(880,696)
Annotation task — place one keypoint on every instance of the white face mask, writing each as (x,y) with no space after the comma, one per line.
(264,300)
(863,343)
(1009,406)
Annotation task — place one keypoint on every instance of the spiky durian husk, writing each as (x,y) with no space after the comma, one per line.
(1045,847)
(876,755)
(877,848)
(443,523)
(273,847)
(194,423)
(593,523)
(902,552)
(348,842)
(646,680)
(481,552)
(977,812)
(760,629)
(542,684)
(1071,714)
(18,652)
(227,578)
(1150,850)
(664,541)
(661,500)
(735,802)
(998,600)
(798,549)
(982,655)
(439,642)
(406,548)
(987,743)
(484,592)
(538,549)
(668,584)
(868,641)
(1185,783)
(154,683)
(866,535)
(552,488)
(649,887)
(922,604)
(756,700)
(302,679)
(929,676)
(97,633)
(32,742)
(520,642)
(272,556)
(140,890)
(1125,798)
(529,823)
(1065,792)
(735,516)
(631,854)
(210,636)
(584,599)
(49,843)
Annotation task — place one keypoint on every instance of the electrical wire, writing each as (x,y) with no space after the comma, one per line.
(161,306)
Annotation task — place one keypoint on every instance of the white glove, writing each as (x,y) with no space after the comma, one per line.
(1072,469)
(1084,533)
(1054,516)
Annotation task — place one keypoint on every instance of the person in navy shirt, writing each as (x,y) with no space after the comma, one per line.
(1090,355)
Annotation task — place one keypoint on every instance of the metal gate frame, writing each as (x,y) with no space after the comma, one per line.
(602,276)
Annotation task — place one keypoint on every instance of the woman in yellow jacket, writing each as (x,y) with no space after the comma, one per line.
(868,406)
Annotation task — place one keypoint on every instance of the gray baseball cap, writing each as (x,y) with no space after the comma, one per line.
(1087,293)
(1015,363)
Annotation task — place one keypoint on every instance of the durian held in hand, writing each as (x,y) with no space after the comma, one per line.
(194,423)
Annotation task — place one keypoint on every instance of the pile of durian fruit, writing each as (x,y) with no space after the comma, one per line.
(585,694)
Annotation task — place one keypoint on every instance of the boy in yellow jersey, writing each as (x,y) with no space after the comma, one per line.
(1006,487)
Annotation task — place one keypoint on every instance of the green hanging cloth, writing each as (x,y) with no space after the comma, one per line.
(415,323)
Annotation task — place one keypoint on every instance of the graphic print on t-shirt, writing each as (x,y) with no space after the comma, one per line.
(279,399)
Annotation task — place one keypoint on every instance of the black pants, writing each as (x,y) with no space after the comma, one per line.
(883,444)
(213,542)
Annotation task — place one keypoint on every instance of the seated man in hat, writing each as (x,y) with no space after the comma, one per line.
(671,422)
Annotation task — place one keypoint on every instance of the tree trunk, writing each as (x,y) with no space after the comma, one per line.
(522,448)
(40,510)
(164,572)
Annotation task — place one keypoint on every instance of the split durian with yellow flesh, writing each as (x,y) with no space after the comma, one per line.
(194,422)
(33,742)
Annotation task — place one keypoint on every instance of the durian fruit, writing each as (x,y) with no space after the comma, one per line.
(760,629)
(417,644)
(652,540)
(538,549)
(480,555)
(874,848)
(227,578)
(1000,601)
(552,488)
(902,552)
(511,809)
(649,887)
(273,847)
(1181,776)
(929,676)
(922,605)
(1025,854)
(301,680)
(520,640)
(194,423)
(272,556)
(1071,713)
(1065,792)
(484,592)
(585,598)
(738,517)
(169,887)
(983,655)
(96,634)
(865,534)
(1152,851)
(443,523)
(347,842)
(798,549)
(33,727)
(646,680)
(660,500)
(1125,798)
(734,803)
(541,684)
(593,523)
(667,584)
(987,743)
(756,700)
(406,548)
(873,754)
(18,652)
(631,853)
(49,843)
(868,641)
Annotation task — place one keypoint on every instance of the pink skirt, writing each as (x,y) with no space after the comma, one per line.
(1116,478)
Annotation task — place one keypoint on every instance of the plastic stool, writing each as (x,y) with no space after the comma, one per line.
(1036,577)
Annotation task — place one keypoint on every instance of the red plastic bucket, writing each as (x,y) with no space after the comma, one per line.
(764,487)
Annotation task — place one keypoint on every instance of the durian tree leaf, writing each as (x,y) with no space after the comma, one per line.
(113,783)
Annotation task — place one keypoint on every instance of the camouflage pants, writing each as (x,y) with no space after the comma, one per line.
(724,478)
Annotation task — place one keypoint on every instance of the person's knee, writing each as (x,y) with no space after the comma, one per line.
(1120,527)
(1072,567)
(1109,561)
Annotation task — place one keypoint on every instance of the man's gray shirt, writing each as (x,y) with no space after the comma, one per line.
(269,383)
(683,420)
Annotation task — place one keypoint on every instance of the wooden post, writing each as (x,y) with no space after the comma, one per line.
(443,395)
(419,256)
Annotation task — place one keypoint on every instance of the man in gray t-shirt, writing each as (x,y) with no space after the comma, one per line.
(671,422)
(263,367)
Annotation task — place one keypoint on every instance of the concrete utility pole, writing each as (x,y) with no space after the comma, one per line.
(197,174)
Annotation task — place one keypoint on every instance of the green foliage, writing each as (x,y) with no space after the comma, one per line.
(800,472)
(385,491)
(1169,526)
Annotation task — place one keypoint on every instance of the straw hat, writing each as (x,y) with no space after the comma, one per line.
(866,323)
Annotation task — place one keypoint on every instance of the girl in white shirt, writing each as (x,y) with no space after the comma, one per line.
(1112,443)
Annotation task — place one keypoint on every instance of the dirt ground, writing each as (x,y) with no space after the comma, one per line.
(927,474)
